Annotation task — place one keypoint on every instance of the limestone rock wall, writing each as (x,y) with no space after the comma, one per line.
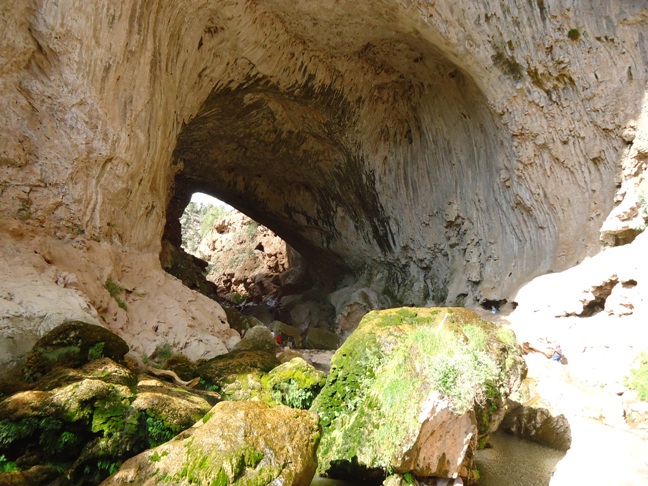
(439,151)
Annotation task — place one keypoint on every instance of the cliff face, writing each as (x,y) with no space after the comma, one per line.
(438,151)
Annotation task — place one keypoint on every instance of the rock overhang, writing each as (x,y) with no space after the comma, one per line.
(447,150)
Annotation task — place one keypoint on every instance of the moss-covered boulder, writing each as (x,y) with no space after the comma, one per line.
(238,443)
(322,339)
(226,368)
(72,345)
(259,338)
(411,389)
(69,413)
(166,409)
(295,383)
(85,422)
(181,366)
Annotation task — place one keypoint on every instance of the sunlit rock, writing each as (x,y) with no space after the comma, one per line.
(413,390)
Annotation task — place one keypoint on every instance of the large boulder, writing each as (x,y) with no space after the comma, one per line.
(72,345)
(322,339)
(226,368)
(242,443)
(295,383)
(412,391)
(84,422)
(258,338)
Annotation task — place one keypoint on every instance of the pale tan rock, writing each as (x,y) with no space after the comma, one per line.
(248,259)
(159,309)
(276,445)
(348,129)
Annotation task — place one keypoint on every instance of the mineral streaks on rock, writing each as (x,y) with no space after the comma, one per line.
(477,142)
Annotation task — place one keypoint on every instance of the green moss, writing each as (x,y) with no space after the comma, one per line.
(239,467)
(54,356)
(159,431)
(385,370)
(155,457)
(574,34)
(638,378)
(12,432)
(7,466)
(295,384)
(115,290)
(96,351)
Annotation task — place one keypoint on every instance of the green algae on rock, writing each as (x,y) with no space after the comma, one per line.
(295,383)
(224,369)
(240,443)
(322,339)
(73,344)
(85,422)
(403,389)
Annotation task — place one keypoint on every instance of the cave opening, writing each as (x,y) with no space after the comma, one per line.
(256,276)
(381,165)
(244,259)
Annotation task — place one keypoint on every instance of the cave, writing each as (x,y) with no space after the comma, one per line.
(394,181)
(413,153)
(383,158)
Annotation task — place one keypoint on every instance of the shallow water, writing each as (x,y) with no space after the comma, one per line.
(317,481)
(514,462)
(509,462)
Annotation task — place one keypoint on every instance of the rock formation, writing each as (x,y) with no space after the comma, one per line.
(248,260)
(432,152)
(413,391)
(245,442)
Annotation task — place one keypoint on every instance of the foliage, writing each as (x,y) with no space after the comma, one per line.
(115,290)
(574,34)
(96,351)
(155,457)
(239,298)
(638,378)
(163,352)
(7,465)
(197,220)
(158,431)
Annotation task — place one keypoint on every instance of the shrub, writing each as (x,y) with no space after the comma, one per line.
(638,378)
(115,290)
(574,34)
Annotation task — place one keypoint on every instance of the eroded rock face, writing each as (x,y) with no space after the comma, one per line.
(438,151)
(247,259)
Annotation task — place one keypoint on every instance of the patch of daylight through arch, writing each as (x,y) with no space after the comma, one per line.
(244,259)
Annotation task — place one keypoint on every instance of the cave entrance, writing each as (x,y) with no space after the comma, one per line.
(244,259)
(256,276)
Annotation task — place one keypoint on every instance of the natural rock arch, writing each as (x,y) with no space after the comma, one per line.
(437,150)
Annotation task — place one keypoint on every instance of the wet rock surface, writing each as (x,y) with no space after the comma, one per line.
(238,441)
